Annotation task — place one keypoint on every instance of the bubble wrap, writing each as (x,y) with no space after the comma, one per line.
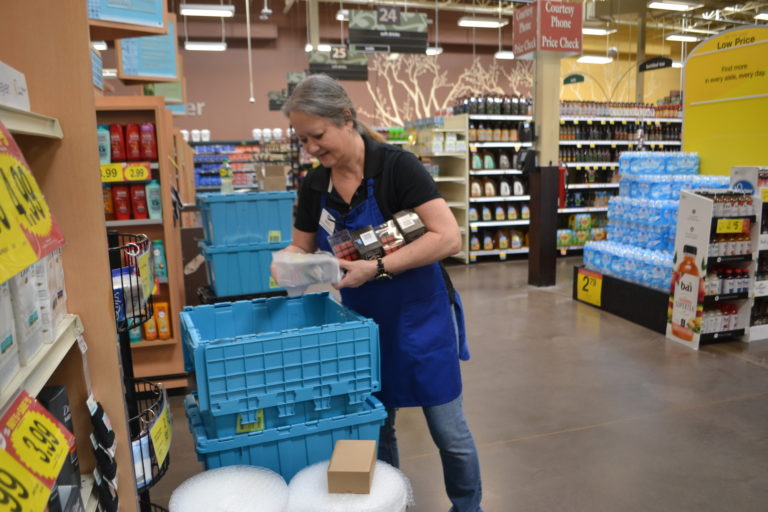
(390,492)
(231,489)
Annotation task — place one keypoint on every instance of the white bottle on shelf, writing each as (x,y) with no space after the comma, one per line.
(225,172)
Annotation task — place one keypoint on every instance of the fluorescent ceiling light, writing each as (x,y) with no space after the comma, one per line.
(434,50)
(763,16)
(594,31)
(393,56)
(109,72)
(677,64)
(675,6)
(479,22)
(99,45)
(308,47)
(324,47)
(205,46)
(594,59)
(504,54)
(685,38)
(214,10)
(342,15)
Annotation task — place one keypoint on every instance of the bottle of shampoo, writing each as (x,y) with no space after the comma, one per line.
(116,143)
(148,142)
(132,142)
(102,134)
(122,202)
(138,201)
(154,200)
(163,320)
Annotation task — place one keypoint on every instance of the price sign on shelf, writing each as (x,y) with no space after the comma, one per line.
(19,490)
(160,433)
(111,173)
(589,287)
(27,230)
(134,171)
(725,226)
(137,172)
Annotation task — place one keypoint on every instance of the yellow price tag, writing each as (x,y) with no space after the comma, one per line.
(275,235)
(40,444)
(273,283)
(19,490)
(592,146)
(613,145)
(589,287)
(562,121)
(589,121)
(111,173)
(575,121)
(611,122)
(764,194)
(160,433)
(731,225)
(146,275)
(602,121)
(137,172)
(473,228)
(578,146)
(623,122)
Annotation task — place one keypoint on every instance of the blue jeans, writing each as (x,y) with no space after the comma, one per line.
(461,467)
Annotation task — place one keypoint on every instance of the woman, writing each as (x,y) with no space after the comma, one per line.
(363,182)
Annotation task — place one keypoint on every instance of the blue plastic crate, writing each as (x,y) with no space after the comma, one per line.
(253,217)
(284,359)
(285,450)
(241,269)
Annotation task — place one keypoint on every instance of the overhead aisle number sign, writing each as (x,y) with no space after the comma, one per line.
(27,230)
(387,29)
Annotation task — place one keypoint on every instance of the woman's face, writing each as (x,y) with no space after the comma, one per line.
(329,143)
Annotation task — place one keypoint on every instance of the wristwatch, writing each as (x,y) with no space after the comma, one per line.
(381,273)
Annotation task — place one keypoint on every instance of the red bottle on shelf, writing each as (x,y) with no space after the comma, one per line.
(117,143)
(132,142)
(121,202)
(148,142)
(139,201)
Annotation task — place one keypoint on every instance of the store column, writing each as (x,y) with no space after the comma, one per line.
(546,31)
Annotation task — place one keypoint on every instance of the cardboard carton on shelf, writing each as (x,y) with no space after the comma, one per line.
(274,177)
(351,467)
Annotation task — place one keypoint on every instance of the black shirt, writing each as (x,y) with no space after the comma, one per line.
(400,181)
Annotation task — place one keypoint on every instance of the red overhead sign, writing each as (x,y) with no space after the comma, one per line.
(547,25)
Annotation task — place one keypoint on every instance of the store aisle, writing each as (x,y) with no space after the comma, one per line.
(577,410)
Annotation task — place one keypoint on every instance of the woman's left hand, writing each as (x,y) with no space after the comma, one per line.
(356,273)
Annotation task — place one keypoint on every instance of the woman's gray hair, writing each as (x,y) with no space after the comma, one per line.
(322,96)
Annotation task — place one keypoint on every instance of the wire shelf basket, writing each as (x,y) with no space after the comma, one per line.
(150,434)
(130,262)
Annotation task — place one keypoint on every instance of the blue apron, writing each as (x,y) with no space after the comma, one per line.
(421,332)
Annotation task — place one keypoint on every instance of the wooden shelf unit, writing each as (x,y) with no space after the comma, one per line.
(58,72)
(167,358)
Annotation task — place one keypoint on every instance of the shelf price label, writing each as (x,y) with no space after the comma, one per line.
(134,171)
(160,433)
(725,226)
(111,173)
(137,172)
(589,287)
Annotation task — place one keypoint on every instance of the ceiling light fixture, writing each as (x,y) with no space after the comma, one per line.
(595,31)
(762,16)
(99,45)
(212,10)
(594,59)
(205,46)
(675,6)
(434,50)
(324,47)
(683,38)
(109,72)
(342,15)
(504,54)
(265,12)
(437,49)
(393,56)
(479,22)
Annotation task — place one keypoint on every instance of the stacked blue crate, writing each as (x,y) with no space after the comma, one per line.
(241,232)
(279,380)
(643,217)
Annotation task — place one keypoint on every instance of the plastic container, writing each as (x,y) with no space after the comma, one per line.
(102,135)
(279,359)
(241,269)
(253,217)
(154,200)
(285,450)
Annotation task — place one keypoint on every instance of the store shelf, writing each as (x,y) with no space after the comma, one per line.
(34,375)
(495,199)
(101,30)
(717,336)
(497,223)
(586,209)
(153,343)
(591,185)
(619,143)
(449,179)
(457,204)
(714,299)
(446,130)
(495,172)
(30,123)
(604,120)
(758,332)
(752,219)
(714,260)
(460,154)
(217,188)
(579,165)
(87,494)
(516,145)
(133,222)
(483,117)
(501,253)
(563,250)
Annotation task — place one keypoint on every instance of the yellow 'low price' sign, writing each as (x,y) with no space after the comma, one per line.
(589,287)
(115,172)
(725,226)
(19,490)
(160,433)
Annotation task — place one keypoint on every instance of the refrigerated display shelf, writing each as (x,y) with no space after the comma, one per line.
(493,199)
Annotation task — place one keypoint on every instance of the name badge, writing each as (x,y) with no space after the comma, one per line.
(327,222)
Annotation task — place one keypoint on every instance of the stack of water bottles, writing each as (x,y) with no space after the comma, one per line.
(643,217)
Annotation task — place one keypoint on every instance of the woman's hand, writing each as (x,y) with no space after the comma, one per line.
(357,273)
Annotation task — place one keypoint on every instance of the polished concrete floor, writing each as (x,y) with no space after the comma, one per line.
(574,409)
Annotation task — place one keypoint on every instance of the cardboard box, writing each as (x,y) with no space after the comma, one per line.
(274,177)
(13,88)
(351,467)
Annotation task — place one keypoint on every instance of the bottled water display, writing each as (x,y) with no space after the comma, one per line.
(642,219)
